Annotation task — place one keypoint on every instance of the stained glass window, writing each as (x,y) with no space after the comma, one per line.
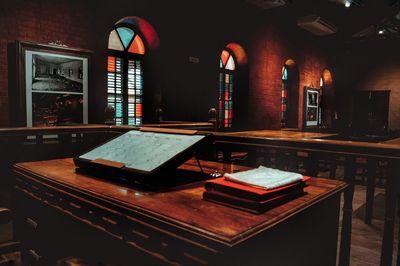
(284,96)
(320,107)
(225,91)
(125,75)
(114,87)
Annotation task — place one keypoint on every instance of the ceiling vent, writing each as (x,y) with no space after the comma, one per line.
(267,4)
(316,25)
(367,32)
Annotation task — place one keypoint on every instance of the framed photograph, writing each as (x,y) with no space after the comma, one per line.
(53,85)
(312,98)
(311,107)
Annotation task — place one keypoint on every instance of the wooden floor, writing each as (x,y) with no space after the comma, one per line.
(366,239)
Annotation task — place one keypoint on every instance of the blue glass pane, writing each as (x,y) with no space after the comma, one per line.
(118,110)
(126,35)
(284,73)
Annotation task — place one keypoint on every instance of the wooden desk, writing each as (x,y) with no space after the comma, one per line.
(61,213)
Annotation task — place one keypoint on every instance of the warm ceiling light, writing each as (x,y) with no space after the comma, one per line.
(381,32)
(347,3)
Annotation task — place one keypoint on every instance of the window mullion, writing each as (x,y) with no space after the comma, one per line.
(125,90)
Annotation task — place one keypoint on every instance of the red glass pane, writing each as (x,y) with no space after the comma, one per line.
(220,104)
(226,95)
(111,64)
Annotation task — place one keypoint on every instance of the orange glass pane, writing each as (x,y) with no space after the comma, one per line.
(137,46)
(138,110)
(224,56)
(111,64)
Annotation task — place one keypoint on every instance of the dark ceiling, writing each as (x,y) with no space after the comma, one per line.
(376,18)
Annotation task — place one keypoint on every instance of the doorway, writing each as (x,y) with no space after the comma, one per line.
(371,112)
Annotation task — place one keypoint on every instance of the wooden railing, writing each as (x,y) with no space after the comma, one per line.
(296,153)
(29,144)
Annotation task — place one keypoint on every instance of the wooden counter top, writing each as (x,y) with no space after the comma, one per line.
(395,141)
(282,134)
(183,206)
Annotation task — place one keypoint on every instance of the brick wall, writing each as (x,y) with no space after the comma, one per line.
(77,24)
(268,52)
(385,76)
(40,21)
(370,65)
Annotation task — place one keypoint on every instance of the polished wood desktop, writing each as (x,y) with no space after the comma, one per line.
(62,213)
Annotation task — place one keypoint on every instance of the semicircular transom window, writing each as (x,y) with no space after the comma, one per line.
(226,61)
(125,75)
(125,39)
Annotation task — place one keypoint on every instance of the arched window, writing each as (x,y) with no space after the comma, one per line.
(225,93)
(125,74)
(130,39)
(290,95)
(327,99)
(284,96)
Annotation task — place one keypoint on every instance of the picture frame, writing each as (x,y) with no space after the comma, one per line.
(52,85)
(311,108)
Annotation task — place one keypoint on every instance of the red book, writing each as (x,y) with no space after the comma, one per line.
(252,193)
(250,205)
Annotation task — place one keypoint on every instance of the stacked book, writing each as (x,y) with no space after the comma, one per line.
(256,190)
